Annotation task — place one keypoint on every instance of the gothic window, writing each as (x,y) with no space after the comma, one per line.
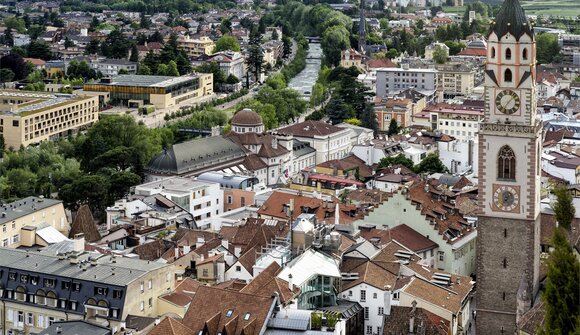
(525,54)
(508,76)
(506,163)
(508,53)
(492,52)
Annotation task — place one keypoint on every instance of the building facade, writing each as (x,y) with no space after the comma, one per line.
(393,80)
(33,117)
(457,78)
(196,47)
(509,176)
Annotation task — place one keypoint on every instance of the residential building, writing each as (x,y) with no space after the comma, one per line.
(20,219)
(32,117)
(419,209)
(393,80)
(112,67)
(430,49)
(330,142)
(41,289)
(230,62)
(196,47)
(398,109)
(160,91)
(238,190)
(358,134)
(459,156)
(459,121)
(76,327)
(457,78)
(272,51)
(351,57)
(373,151)
(201,199)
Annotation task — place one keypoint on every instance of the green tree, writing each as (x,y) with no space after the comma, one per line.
(431,164)
(547,48)
(354,121)
(334,40)
(162,70)
(440,55)
(80,69)
(219,76)
(134,57)
(144,70)
(15,23)
(563,207)
(393,128)
(93,47)
(227,42)
(400,159)
(275,36)
(276,81)
(265,110)
(255,59)
(68,43)
(16,64)
(6,75)
(39,49)
(172,69)
(87,189)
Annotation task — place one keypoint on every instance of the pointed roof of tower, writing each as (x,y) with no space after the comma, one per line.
(511,18)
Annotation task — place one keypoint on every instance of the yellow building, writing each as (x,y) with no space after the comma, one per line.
(31,117)
(160,91)
(196,47)
(25,215)
(351,57)
(457,78)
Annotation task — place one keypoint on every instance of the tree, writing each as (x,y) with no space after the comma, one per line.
(68,43)
(547,48)
(134,54)
(80,69)
(431,164)
(265,110)
(219,76)
(6,75)
(563,207)
(227,42)
(400,159)
(145,22)
(144,70)
(255,57)
(562,294)
(93,47)
(354,121)
(440,55)
(392,53)
(162,70)
(287,45)
(275,36)
(39,49)
(115,45)
(172,69)
(15,23)
(16,64)
(393,128)
(334,40)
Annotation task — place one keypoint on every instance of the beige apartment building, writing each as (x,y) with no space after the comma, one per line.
(31,117)
(196,47)
(457,78)
(19,220)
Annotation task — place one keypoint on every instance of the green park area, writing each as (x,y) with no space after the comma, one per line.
(569,8)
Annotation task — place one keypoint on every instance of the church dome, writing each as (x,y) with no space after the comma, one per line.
(247,118)
(511,18)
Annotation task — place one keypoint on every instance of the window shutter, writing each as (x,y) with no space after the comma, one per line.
(10,316)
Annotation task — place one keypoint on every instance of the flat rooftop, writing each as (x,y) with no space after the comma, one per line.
(23,207)
(143,80)
(35,101)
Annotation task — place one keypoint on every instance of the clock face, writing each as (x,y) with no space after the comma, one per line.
(506,198)
(507,102)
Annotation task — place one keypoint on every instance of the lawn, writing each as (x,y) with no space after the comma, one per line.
(569,8)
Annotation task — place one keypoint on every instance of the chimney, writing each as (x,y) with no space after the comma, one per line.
(79,243)
(59,329)
(200,242)
(412,318)
(226,244)
(274,143)
(387,300)
(290,283)
(186,249)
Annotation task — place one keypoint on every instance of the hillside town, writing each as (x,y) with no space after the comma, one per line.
(384,167)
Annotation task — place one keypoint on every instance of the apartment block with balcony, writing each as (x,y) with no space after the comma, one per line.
(457,78)
(32,117)
(200,198)
(196,47)
(39,289)
(391,81)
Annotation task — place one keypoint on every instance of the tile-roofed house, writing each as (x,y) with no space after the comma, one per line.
(403,319)
(310,129)
(170,326)
(152,251)
(350,166)
(267,283)
(231,312)
(533,319)
(85,224)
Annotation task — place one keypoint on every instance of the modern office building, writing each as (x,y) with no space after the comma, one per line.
(160,91)
(31,117)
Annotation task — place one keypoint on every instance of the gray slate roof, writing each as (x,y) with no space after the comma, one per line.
(122,272)
(23,207)
(195,154)
(75,327)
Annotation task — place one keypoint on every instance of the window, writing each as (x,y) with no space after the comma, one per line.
(230,200)
(381,310)
(205,273)
(507,76)
(366,313)
(508,53)
(51,283)
(117,294)
(15,238)
(350,293)
(150,284)
(150,302)
(76,287)
(50,320)
(441,256)
(369,329)
(247,316)
(363,295)
(525,54)
(142,305)
(243,201)
(374,295)
(229,313)
(503,295)
(101,291)
(5,242)
(20,316)
(492,52)
(396,296)
(504,263)
(23,278)
(506,163)
(142,287)
(238,268)
(505,232)
(30,319)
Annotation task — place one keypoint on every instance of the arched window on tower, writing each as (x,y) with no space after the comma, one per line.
(507,77)
(525,54)
(506,163)
(492,52)
(508,53)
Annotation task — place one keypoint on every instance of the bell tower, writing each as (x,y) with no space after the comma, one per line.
(509,176)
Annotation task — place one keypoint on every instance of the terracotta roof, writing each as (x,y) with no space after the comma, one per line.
(189,237)
(178,299)
(398,322)
(267,282)
(207,247)
(548,224)
(210,259)
(380,63)
(250,310)
(366,196)
(246,117)
(411,239)
(439,296)
(310,129)
(188,286)
(377,274)
(533,319)
(481,52)
(153,250)
(35,61)
(350,162)
(170,326)
(85,224)
(253,163)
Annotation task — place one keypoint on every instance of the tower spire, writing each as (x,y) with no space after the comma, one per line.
(362,33)
(512,19)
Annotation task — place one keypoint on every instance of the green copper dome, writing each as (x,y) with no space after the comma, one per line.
(511,19)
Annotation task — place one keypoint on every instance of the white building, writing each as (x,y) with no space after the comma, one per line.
(230,62)
(330,142)
(458,121)
(393,80)
(459,156)
(201,199)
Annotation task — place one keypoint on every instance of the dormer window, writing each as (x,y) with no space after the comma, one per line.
(508,53)
(229,313)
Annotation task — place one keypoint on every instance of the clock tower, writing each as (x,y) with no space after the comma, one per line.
(509,170)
